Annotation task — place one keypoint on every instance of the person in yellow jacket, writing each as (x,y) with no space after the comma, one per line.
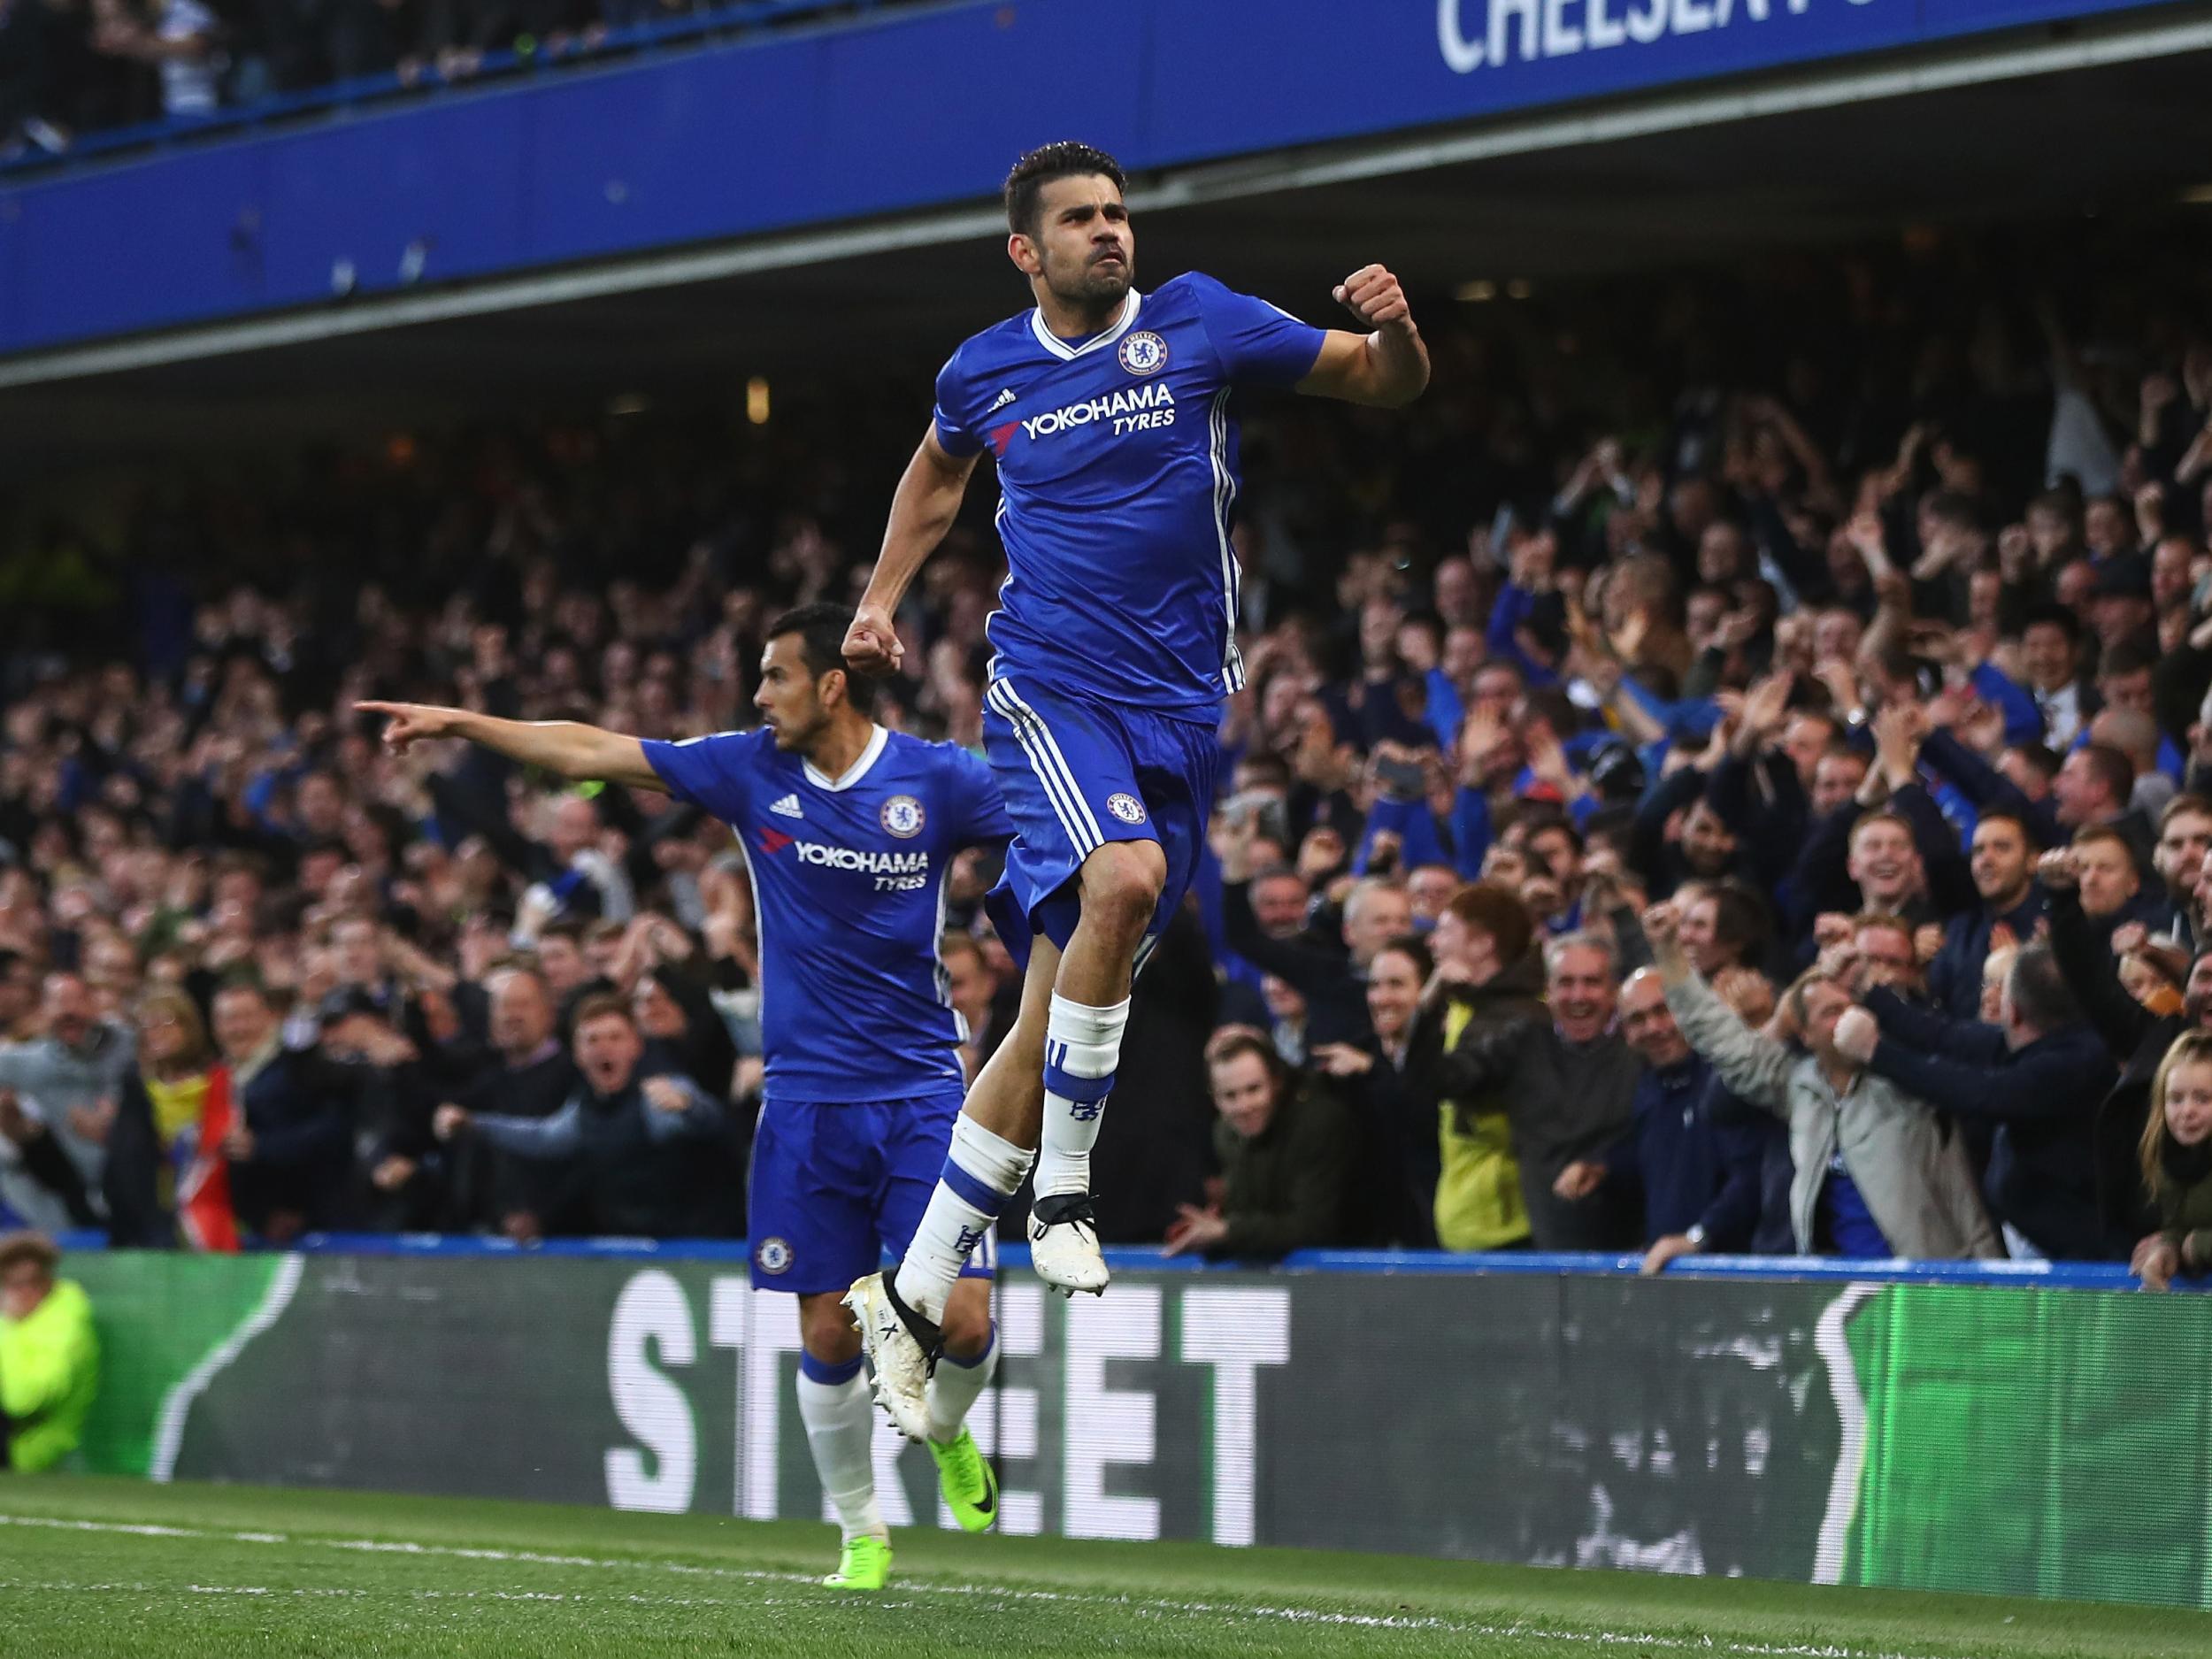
(1488,978)
(50,1357)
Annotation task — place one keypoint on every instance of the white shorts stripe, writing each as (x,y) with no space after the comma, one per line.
(1067,772)
(1058,784)
(1037,762)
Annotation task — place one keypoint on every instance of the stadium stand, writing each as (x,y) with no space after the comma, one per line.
(1824,606)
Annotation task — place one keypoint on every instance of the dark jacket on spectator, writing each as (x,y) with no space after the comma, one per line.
(2042,1172)
(1691,1169)
(632,1169)
(2138,1038)
(489,1184)
(1284,1189)
(1336,996)
(1954,975)
(1395,1106)
(1567,1100)
(299,1108)
(2185,1198)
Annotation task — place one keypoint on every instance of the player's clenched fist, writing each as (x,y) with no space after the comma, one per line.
(1372,294)
(871,644)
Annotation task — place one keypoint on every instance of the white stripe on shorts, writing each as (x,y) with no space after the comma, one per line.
(1050,766)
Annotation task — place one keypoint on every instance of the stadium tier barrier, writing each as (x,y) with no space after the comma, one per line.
(2025,1429)
(324,200)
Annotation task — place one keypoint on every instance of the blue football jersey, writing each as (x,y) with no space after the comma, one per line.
(848,893)
(1118,477)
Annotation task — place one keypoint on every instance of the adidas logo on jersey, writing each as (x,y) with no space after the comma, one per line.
(788,807)
(999,403)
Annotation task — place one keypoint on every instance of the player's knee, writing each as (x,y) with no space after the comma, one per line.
(1122,883)
(967,1322)
(826,1330)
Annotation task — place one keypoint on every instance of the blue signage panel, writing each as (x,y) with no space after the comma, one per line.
(904,110)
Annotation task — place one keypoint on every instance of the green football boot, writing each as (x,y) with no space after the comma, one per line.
(965,1478)
(866,1564)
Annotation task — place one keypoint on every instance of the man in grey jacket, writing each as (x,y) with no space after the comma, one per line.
(72,1079)
(1878,1173)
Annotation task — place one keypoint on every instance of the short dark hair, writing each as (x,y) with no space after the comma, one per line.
(2127,657)
(1415,950)
(2037,989)
(2113,769)
(821,628)
(2051,614)
(1066,160)
(602,1005)
(2040,758)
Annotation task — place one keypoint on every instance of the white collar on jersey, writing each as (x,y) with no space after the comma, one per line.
(855,773)
(1060,348)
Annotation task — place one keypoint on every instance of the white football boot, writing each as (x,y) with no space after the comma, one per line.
(1064,1244)
(902,1348)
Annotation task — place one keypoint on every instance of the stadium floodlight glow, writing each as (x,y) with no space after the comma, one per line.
(1476,293)
(629,403)
(1519,288)
(756,401)
(2197,195)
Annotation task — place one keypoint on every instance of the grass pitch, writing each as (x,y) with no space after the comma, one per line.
(94,1568)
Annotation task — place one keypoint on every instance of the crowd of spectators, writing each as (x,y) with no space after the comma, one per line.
(1778,824)
(70,66)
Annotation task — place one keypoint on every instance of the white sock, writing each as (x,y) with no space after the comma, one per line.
(1082,1048)
(839,1418)
(954,1387)
(982,1171)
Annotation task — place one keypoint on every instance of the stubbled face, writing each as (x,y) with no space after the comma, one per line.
(1805,740)
(1244,1093)
(1278,904)
(788,698)
(1708,844)
(2000,863)
(2182,846)
(1081,248)
(2196,996)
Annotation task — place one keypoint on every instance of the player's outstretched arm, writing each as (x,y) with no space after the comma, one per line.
(927,501)
(1387,367)
(573,750)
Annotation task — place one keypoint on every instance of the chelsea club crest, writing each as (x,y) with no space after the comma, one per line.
(1143,352)
(902,817)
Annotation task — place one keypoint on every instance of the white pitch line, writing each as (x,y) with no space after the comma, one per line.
(994,1592)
